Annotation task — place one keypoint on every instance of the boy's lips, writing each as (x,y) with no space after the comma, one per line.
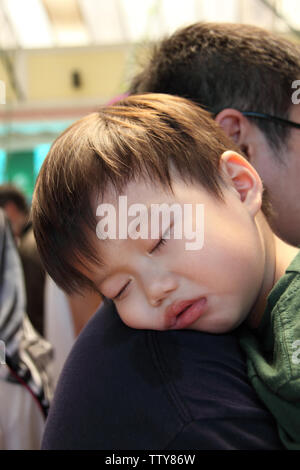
(184,313)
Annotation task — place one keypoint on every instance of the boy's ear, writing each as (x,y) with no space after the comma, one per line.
(244,179)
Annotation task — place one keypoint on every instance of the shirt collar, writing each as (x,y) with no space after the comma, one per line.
(295,264)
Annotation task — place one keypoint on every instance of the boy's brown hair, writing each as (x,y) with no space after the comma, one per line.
(141,136)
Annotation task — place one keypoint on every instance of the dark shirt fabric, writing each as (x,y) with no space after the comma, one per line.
(124,389)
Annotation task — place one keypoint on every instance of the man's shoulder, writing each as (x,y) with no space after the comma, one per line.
(124,388)
(111,393)
(158,358)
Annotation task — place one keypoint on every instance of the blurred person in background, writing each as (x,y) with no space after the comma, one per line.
(25,387)
(59,318)
(65,317)
(244,76)
(14,203)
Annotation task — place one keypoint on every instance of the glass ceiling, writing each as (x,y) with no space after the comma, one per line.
(71,23)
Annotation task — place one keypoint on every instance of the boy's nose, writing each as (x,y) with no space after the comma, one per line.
(159,289)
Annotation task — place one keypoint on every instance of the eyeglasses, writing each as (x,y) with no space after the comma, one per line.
(268,117)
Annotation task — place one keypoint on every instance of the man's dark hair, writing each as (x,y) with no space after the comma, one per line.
(223,65)
(10,193)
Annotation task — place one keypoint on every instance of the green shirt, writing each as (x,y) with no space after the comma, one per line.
(273,355)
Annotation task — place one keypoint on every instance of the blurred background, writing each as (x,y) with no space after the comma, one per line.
(60,59)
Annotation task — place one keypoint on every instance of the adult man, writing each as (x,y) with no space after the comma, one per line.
(130,389)
(234,70)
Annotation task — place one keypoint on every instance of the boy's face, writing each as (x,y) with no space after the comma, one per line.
(221,279)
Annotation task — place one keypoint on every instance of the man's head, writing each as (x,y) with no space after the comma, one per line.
(230,69)
(153,149)
(14,203)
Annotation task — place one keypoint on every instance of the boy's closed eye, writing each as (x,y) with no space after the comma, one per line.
(157,247)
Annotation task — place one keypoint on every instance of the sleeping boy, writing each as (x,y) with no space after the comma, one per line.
(150,204)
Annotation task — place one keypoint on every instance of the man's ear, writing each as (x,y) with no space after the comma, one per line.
(244,179)
(236,126)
